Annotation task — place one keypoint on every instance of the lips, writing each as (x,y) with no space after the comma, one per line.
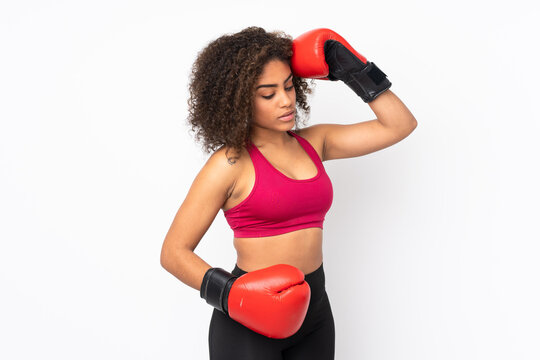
(287,114)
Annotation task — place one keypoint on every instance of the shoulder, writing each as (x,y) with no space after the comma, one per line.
(315,135)
(225,167)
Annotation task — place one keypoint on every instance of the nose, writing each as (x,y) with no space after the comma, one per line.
(286,98)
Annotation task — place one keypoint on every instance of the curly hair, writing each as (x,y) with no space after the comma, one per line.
(222,82)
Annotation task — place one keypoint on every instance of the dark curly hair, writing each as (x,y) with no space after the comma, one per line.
(222,82)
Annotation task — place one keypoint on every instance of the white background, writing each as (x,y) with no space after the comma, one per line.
(430,248)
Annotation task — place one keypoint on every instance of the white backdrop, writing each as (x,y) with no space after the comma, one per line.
(430,248)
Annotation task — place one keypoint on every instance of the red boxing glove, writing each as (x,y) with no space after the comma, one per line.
(324,54)
(272,301)
(308,59)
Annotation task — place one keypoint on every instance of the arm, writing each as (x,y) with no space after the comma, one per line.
(206,196)
(186,266)
(392,113)
(277,296)
(394,122)
(324,54)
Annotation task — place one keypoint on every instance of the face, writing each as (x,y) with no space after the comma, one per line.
(274,103)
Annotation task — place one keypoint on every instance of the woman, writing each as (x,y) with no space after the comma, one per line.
(271,185)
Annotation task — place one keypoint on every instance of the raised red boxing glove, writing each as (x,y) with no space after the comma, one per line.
(272,301)
(324,54)
(308,60)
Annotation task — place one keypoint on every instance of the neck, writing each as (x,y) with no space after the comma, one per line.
(270,138)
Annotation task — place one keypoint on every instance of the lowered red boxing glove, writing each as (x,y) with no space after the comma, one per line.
(272,301)
(324,54)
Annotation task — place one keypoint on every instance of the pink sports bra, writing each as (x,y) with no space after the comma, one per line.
(279,204)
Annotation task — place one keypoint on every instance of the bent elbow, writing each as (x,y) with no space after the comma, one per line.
(165,258)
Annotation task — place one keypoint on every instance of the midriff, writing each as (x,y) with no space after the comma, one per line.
(301,248)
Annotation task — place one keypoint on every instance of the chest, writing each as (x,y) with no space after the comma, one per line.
(295,164)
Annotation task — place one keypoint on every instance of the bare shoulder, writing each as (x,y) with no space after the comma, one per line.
(207,194)
(314,134)
(226,165)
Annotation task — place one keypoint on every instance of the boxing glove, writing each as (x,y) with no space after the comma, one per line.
(324,54)
(272,301)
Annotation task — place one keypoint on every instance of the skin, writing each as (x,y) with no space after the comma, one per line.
(275,96)
(224,182)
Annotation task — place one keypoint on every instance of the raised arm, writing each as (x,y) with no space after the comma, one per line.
(324,54)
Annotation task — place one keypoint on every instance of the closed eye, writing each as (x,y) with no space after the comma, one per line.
(271,96)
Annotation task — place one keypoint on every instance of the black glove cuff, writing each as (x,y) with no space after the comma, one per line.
(369,82)
(215,288)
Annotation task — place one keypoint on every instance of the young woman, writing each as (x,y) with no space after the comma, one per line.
(266,174)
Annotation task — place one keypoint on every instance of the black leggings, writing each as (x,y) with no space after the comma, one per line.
(314,340)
